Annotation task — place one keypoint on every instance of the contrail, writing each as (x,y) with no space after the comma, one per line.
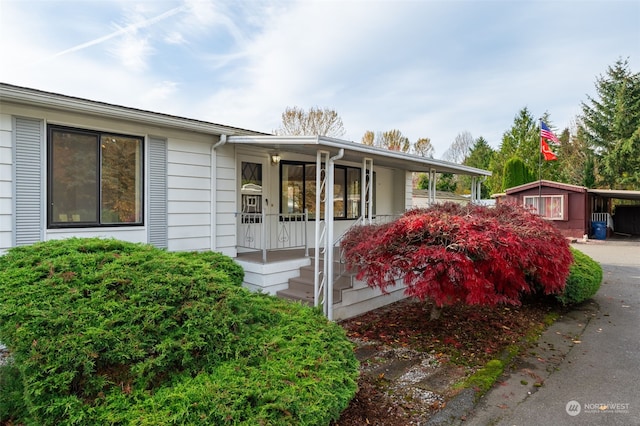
(121,31)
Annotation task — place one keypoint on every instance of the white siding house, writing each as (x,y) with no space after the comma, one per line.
(76,167)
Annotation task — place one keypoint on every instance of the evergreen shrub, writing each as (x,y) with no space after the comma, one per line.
(108,332)
(583,282)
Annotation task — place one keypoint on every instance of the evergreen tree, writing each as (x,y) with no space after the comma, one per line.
(523,141)
(610,121)
(446,182)
(516,173)
(479,157)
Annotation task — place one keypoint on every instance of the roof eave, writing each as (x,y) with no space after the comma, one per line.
(33,97)
(424,163)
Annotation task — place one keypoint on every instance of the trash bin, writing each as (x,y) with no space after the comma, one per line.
(599,230)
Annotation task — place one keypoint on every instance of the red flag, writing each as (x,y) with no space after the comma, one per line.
(546,151)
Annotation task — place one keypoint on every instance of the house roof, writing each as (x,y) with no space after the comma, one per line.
(34,97)
(545,183)
(353,151)
(300,144)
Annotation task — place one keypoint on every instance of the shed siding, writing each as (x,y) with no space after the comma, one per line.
(576,224)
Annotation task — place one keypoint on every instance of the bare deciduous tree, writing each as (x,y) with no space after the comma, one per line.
(460,148)
(316,121)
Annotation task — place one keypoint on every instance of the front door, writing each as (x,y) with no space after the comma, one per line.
(253,201)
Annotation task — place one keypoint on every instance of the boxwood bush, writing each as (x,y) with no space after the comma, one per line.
(108,332)
(585,276)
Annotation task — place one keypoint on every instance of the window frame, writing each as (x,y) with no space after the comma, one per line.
(562,216)
(100,222)
(342,168)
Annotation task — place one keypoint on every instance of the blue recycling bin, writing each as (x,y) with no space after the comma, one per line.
(599,230)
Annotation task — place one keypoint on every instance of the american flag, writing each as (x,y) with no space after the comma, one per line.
(546,133)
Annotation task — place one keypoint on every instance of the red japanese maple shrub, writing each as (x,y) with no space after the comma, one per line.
(450,254)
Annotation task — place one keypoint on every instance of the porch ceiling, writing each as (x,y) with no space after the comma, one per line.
(355,152)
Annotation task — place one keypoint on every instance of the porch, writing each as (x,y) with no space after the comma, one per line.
(297,196)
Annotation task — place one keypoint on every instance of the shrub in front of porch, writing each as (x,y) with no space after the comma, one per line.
(108,332)
(584,279)
(450,254)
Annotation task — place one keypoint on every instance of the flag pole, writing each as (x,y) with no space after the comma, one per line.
(539,168)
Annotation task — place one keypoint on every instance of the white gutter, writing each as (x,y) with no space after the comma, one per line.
(356,147)
(214,190)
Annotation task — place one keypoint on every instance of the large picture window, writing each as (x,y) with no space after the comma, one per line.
(298,190)
(94,178)
(550,207)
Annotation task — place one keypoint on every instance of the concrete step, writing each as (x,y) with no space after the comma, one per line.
(301,288)
(309,270)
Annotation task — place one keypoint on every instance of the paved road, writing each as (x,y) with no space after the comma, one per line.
(598,381)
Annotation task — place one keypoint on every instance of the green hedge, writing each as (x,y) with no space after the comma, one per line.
(585,277)
(108,332)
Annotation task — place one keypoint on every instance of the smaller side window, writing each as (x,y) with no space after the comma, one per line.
(550,207)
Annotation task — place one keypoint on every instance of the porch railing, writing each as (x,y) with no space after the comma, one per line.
(377,220)
(263,232)
(602,217)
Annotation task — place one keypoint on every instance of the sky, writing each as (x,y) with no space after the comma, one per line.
(431,69)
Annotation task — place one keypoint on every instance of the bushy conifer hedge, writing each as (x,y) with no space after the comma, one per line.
(108,332)
(585,277)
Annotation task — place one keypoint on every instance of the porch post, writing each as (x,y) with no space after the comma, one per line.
(328,255)
(366,191)
(474,196)
(432,187)
(322,157)
(264,236)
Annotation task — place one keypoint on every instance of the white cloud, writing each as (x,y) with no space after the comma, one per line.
(132,51)
(430,69)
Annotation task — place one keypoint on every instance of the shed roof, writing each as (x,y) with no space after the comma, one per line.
(545,183)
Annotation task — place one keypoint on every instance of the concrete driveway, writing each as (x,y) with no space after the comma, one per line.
(595,379)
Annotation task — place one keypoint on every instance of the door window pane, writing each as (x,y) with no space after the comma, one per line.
(251,190)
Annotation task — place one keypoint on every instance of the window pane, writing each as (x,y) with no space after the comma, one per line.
(251,190)
(353,193)
(292,196)
(310,188)
(121,183)
(74,172)
(339,192)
